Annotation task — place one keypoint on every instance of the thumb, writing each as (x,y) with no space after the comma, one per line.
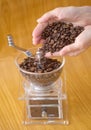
(46,17)
(69,49)
(82,42)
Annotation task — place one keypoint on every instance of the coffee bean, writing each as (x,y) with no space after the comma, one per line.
(46,64)
(32,69)
(59,32)
(40,71)
(49,69)
(48,39)
(28,65)
(52,41)
(55,31)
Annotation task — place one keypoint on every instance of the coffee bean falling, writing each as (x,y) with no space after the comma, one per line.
(59,34)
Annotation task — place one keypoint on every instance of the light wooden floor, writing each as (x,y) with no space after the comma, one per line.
(18,17)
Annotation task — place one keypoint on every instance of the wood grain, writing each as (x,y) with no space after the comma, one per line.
(18,17)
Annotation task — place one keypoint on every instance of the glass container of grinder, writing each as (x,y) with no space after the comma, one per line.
(39,81)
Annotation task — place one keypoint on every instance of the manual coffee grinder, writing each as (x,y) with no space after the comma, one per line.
(44,94)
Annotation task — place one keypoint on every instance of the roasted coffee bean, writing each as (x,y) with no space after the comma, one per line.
(49,69)
(32,69)
(59,34)
(55,31)
(28,65)
(51,42)
(40,71)
(46,65)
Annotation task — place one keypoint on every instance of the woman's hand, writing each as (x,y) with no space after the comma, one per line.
(78,16)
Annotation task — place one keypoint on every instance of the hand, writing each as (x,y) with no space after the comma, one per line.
(78,16)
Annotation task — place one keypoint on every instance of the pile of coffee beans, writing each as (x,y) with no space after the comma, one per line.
(59,34)
(31,64)
(40,76)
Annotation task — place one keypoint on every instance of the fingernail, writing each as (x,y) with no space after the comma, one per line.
(38,20)
(33,41)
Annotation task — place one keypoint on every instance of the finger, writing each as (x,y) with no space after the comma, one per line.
(36,40)
(72,53)
(48,54)
(75,53)
(84,39)
(39,40)
(37,32)
(68,49)
(39,28)
(82,42)
(61,13)
(46,17)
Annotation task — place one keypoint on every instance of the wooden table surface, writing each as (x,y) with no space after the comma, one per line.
(18,17)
